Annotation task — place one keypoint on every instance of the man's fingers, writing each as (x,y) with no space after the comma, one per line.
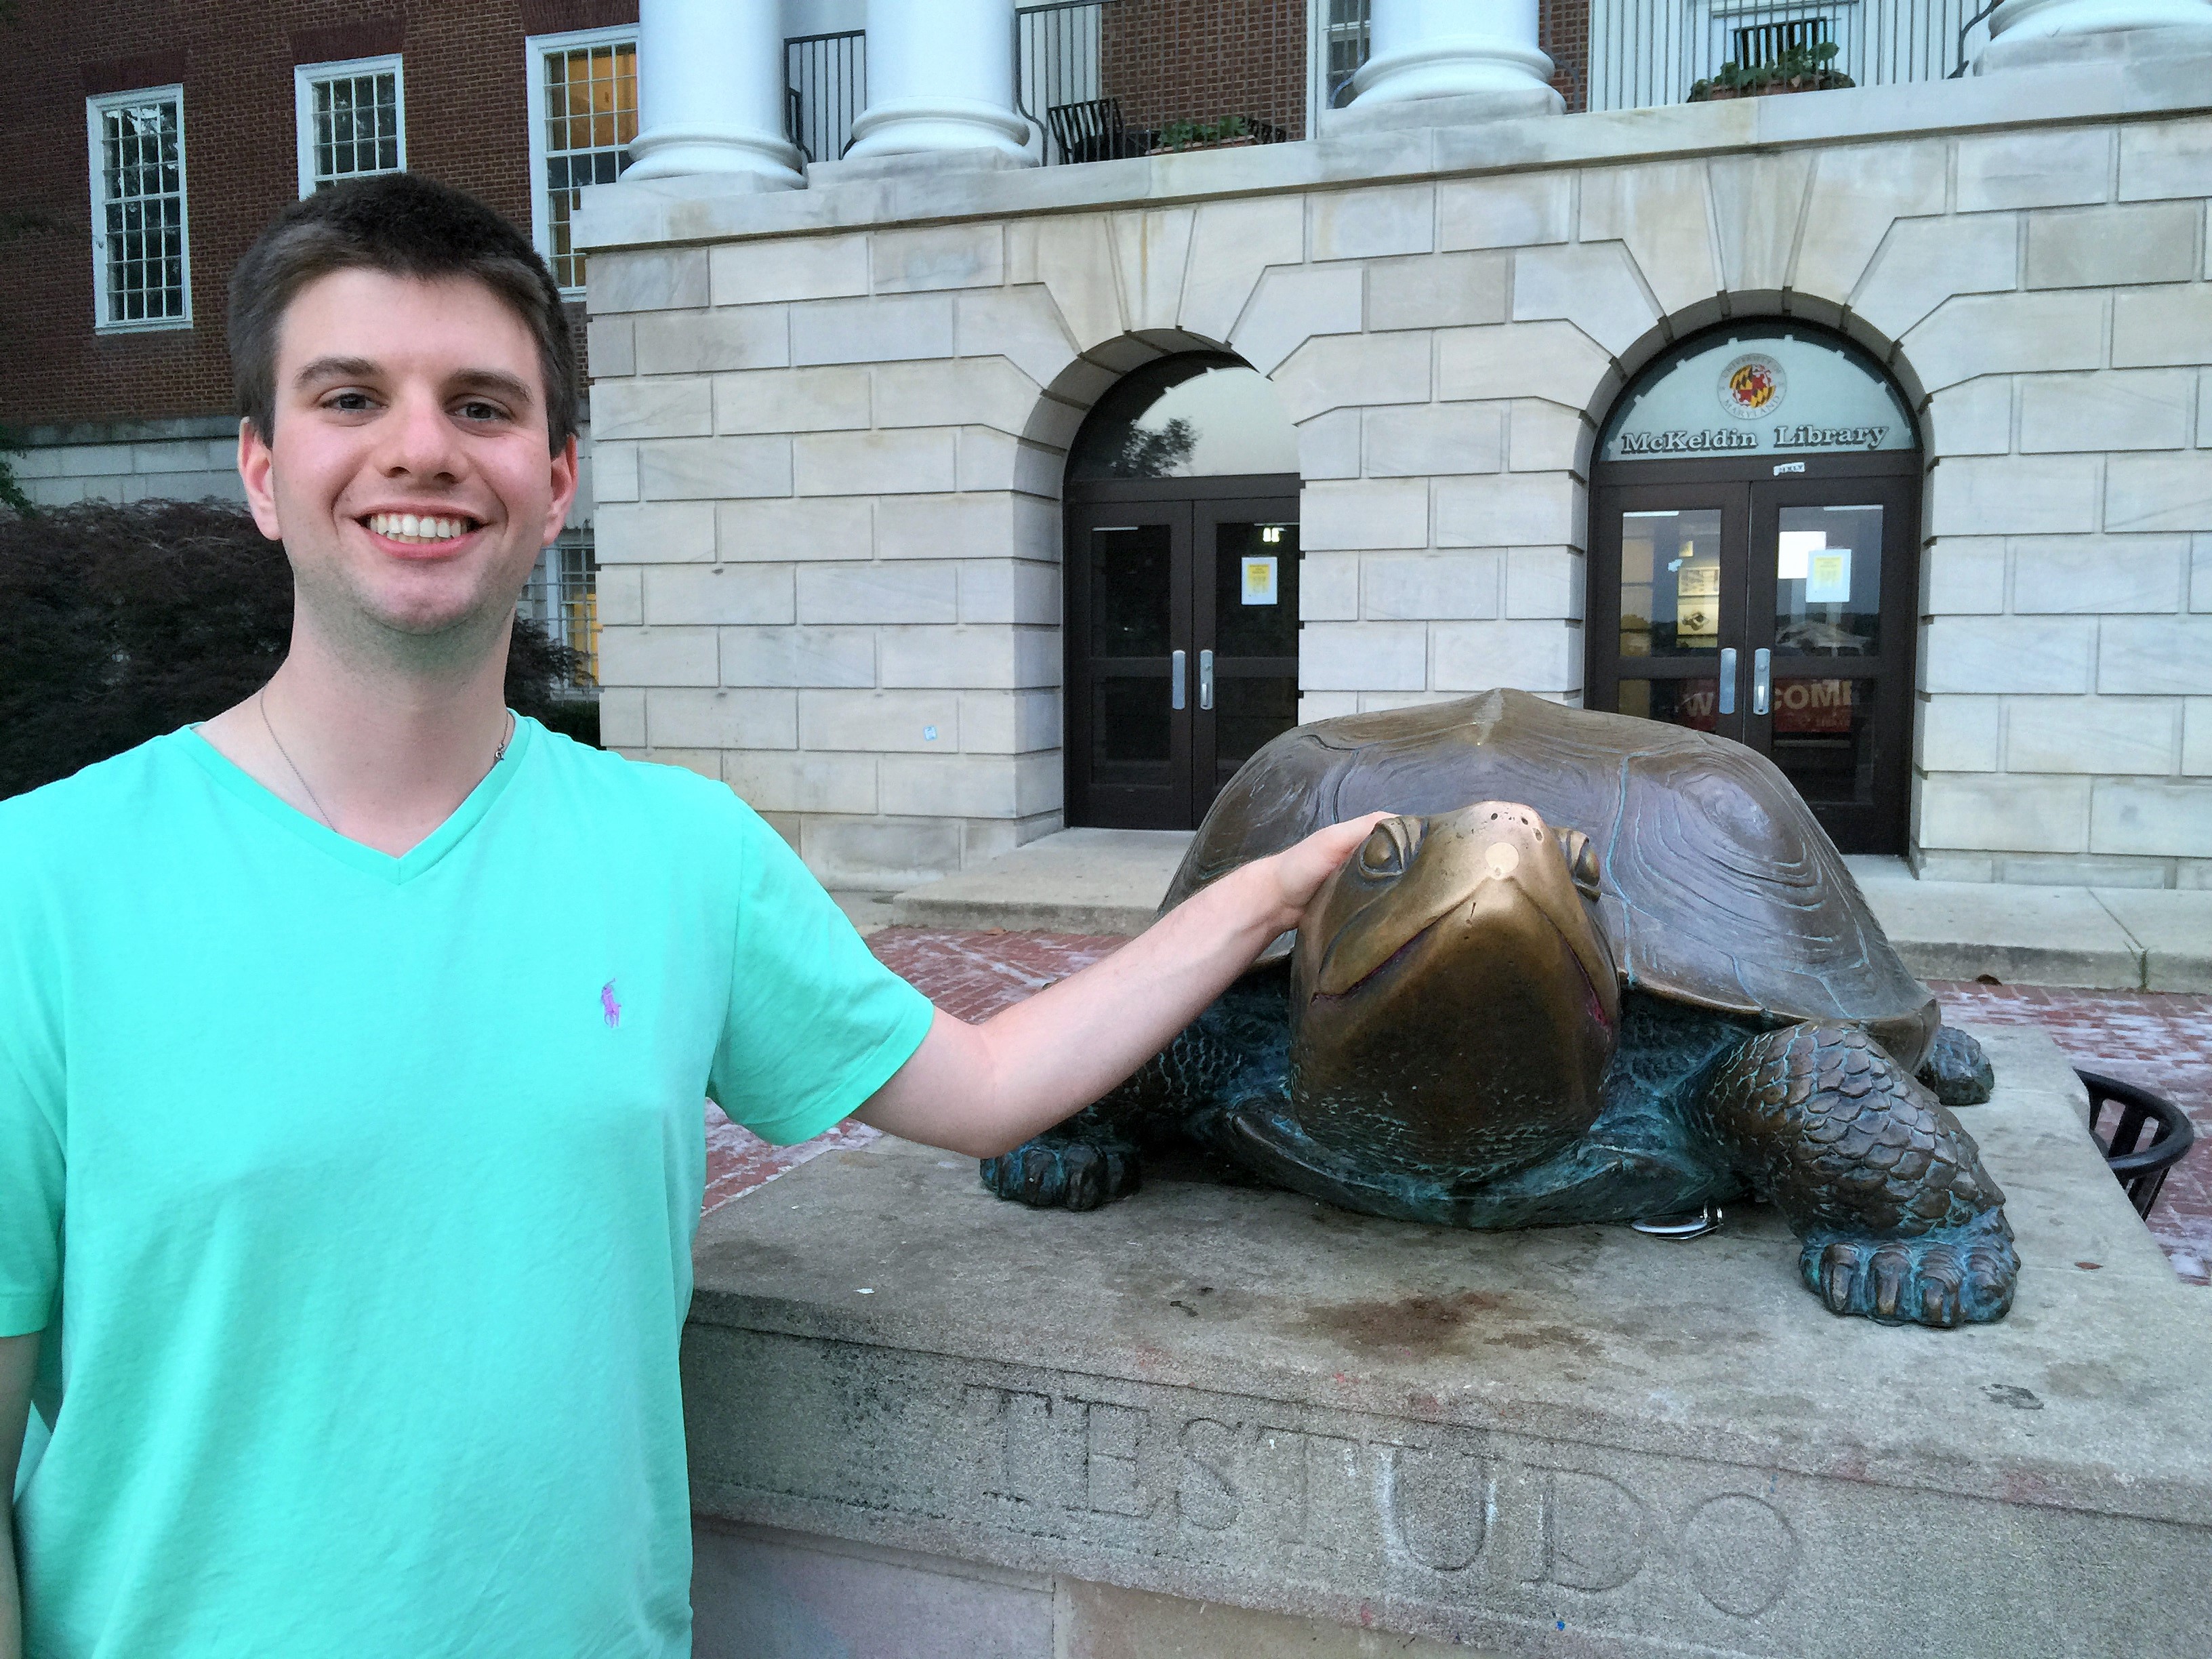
(1303,868)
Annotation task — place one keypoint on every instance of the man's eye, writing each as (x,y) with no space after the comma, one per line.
(474,410)
(350,402)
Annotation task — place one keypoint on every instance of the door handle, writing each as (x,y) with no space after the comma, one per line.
(1728,679)
(1762,675)
(1205,679)
(1175,680)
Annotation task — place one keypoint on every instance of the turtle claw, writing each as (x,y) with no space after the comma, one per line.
(1046,1174)
(1941,1282)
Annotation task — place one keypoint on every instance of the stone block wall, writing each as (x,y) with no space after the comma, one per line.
(829,455)
(2057,315)
(185,460)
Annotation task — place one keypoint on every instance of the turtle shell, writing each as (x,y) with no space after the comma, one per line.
(1718,886)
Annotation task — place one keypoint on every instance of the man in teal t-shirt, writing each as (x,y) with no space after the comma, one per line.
(352,1046)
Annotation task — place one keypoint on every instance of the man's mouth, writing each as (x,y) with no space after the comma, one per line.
(420,530)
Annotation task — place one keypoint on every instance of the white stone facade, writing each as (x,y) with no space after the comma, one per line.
(185,460)
(831,425)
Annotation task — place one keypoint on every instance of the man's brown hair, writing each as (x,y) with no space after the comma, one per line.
(405,225)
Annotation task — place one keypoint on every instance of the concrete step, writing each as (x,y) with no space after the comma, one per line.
(1110,881)
(1079,881)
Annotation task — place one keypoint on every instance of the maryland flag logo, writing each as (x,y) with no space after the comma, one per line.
(1752,388)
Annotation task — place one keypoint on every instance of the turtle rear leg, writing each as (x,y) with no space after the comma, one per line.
(1900,1222)
(1957,1072)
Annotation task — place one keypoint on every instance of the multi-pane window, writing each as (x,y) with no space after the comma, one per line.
(1346,43)
(583,96)
(352,120)
(563,598)
(141,265)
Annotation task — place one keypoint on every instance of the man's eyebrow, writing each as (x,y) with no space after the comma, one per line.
(514,390)
(336,368)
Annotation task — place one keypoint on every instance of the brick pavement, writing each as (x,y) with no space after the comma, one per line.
(2161,1039)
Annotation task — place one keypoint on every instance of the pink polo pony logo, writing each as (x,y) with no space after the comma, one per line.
(612,1009)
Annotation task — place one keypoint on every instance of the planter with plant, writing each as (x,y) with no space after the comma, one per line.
(1800,68)
(1228,133)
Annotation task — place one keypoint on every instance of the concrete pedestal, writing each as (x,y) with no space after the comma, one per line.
(1577,1441)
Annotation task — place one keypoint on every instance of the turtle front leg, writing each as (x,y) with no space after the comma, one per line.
(1900,1222)
(1086,1162)
(1235,1046)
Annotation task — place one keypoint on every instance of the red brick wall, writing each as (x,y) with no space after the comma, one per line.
(1563,30)
(465,125)
(1199,60)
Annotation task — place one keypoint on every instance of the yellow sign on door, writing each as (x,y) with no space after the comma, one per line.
(1260,579)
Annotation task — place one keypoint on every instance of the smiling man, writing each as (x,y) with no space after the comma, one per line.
(352,1046)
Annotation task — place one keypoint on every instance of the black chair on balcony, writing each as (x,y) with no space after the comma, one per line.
(1092,131)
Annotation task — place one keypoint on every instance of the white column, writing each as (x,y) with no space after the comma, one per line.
(940,77)
(1481,49)
(2025,33)
(710,92)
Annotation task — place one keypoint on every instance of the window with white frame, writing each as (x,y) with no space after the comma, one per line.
(563,598)
(583,114)
(352,120)
(141,246)
(1339,44)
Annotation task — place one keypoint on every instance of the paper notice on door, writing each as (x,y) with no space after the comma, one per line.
(1828,577)
(1260,579)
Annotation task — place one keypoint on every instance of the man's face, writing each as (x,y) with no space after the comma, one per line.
(409,478)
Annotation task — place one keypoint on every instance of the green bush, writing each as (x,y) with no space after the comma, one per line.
(1799,68)
(120,622)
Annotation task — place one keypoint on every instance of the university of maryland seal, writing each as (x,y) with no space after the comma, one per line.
(1751,386)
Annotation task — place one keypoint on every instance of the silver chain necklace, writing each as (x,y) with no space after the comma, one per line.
(261,701)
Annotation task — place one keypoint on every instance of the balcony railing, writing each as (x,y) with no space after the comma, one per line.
(1095,92)
(1634,54)
(825,89)
(1644,53)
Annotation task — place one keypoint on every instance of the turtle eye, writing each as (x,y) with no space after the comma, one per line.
(1581,853)
(1386,848)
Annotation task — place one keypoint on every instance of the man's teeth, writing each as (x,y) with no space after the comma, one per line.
(418,527)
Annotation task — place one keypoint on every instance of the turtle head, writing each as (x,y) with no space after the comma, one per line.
(1459,961)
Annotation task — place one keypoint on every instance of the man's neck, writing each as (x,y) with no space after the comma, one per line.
(380,755)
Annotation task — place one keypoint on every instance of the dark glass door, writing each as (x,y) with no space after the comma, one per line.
(1774,611)
(1182,650)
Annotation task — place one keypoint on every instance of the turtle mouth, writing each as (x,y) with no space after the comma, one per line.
(1593,1006)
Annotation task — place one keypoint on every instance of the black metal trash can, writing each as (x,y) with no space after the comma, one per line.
(2139,1163)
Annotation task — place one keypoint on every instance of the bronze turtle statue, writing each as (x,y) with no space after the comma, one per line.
(1598,968)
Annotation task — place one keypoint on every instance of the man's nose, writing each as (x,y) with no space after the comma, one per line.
(417,438)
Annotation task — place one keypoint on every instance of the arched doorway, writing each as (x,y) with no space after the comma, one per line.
(1182,583)
(1755,563)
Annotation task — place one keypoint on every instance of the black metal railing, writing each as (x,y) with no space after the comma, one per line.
(1633,54)
(1644,53)
(1058,81)
(826,88)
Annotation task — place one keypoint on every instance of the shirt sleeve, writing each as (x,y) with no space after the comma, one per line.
(815,1024)
(31,1148)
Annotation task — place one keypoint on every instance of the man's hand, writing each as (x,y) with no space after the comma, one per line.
(19,1363)
(983,1090)
(1299,870)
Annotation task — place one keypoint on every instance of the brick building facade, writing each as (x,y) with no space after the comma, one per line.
(1201,60)
(465,88)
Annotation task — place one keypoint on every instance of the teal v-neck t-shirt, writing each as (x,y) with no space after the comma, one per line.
(356,1194)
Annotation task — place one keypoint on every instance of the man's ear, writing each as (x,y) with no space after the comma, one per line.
(256,465)
(564,492)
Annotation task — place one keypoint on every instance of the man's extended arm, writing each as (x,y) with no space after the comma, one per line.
(983,1090)
(18,1360)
